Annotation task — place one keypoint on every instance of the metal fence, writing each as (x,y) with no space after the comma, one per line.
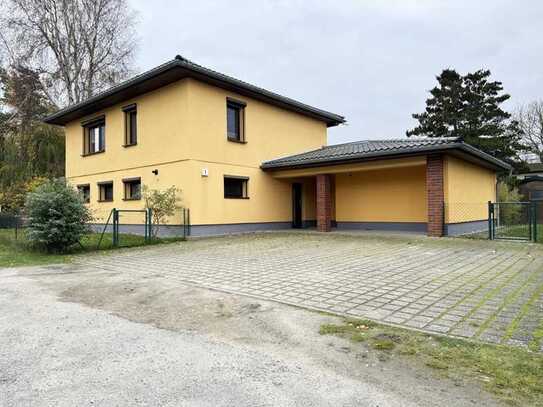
(129,225)
(514,220)
(14,222)
(522,221)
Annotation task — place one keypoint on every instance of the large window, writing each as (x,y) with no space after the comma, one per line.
(105,190)
(236,187)
(130,125)
(132,189)
(235,120)
(84,191)
(94,136)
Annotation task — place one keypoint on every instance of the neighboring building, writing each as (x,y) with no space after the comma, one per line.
(218,139)
(531,182)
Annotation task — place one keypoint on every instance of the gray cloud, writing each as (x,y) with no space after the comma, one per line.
(372,61)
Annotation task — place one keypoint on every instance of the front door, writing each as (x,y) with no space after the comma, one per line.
(297,205)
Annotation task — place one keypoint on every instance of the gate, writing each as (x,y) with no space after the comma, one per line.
(136,219)
(512,221)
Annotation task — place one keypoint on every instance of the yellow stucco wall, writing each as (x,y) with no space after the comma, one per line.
(467,190)
(182,130)
(382,195)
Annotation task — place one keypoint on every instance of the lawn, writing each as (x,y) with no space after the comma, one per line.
(514,375)
(16,252)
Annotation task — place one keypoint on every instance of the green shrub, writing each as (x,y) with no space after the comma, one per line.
(509,214)
(163,204)
(57,216)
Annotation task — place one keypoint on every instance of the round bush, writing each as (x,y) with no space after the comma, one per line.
(57,216)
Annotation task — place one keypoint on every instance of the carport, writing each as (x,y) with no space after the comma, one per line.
(397,185)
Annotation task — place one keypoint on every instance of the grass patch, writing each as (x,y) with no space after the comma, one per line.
(514,375)
(17,252)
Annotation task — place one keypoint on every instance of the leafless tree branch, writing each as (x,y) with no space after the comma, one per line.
(78,47)
(530,119)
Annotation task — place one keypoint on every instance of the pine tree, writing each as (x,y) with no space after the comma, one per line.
(468,108)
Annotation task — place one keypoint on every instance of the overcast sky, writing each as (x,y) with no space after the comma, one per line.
(371,61)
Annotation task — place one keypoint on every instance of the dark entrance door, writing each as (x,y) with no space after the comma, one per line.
(296,205)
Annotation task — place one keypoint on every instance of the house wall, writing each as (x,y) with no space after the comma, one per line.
(383,195)
(467,190)
(182,130)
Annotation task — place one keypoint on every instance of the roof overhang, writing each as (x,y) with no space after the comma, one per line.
(528,179)
(175,70)
(460,150)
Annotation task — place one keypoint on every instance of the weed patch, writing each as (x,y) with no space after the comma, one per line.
(514,375)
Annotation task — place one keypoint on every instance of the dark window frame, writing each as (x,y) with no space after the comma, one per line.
(239,107)
(244,192)
(81,188)
(97,122)
(130,127)
(127,185)
(105,184)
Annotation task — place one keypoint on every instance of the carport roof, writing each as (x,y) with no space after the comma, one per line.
(381,149)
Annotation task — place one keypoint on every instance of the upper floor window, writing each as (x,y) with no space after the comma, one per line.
(130,125)
(84,191)
(132,189)
(236,187)
(94,136)
(235,120)
(105,191)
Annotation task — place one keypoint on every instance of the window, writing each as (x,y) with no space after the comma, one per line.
(105,190)
(235,187)
(132,189)
(130,125)
(235,120)
(94,136)
(84,191)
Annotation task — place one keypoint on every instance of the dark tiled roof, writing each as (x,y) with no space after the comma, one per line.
(369,149)
(176,69)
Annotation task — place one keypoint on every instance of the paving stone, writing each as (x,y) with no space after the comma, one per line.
(427,286)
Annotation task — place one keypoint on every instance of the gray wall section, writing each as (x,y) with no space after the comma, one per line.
(456,229)
(164,230)
(415,227)
(453,229)
(198,230)
(224,229)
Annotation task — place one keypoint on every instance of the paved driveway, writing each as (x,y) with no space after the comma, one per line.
(477,289)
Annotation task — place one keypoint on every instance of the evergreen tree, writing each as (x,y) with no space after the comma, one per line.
(468,108)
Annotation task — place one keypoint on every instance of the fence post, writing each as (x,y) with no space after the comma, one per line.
(490,222)
(115,227)
(534,221)
(150,222)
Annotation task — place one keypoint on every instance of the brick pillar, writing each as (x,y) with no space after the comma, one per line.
(434,193)
(324,203)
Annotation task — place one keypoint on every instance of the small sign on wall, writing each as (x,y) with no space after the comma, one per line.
(205,172)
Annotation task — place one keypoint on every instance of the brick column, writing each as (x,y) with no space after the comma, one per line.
(434,193)
(324,203)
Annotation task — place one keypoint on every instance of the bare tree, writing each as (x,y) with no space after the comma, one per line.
(77,47)
(530,120)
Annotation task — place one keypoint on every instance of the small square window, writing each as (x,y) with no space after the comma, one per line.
(132,189)
(94,137)
(84,191)
(236,187)
(235,121)
(130,125)
(105,190)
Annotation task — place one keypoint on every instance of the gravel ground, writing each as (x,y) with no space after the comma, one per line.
(76,336)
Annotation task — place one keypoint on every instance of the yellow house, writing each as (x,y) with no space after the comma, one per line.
(247,159)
